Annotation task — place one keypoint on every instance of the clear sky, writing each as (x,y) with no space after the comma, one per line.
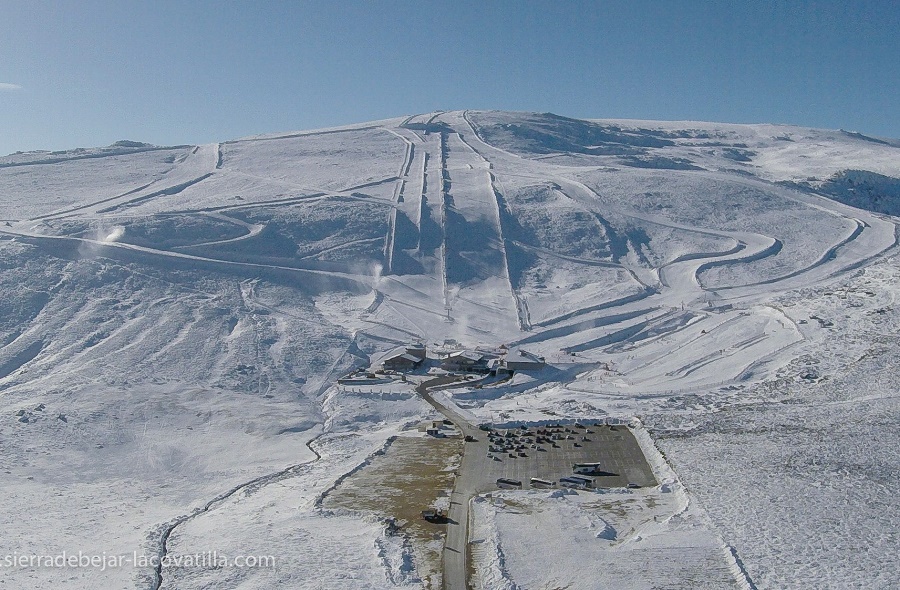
(85,73)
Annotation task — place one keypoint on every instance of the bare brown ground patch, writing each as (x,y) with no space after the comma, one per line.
(408,478)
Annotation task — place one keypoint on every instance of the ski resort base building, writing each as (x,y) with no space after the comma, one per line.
(400,362)
(466,361)
(405,359)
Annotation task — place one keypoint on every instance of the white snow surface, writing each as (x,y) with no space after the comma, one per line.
(174,320)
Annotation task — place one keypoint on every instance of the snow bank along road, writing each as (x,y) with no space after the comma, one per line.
(169,305)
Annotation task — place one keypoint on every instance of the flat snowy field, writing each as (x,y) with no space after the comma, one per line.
(174,321)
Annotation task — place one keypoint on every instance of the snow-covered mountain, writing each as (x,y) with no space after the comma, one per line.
(174,321)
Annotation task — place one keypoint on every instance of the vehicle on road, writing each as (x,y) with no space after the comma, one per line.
(586,468)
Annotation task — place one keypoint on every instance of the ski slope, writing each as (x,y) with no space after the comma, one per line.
(175,319)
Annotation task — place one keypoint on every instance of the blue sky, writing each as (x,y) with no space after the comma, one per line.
(88,72)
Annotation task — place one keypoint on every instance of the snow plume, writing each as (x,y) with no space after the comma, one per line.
(115,235)
(377,269)
(101,235)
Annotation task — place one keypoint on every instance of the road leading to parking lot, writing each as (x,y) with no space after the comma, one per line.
(456,543)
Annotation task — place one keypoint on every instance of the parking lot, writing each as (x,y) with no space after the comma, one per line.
(613,447)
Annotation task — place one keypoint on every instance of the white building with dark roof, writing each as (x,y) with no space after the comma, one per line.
(519,359)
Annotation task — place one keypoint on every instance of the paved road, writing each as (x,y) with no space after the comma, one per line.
(456,544)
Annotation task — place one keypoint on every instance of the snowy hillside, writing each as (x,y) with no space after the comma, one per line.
(175,319)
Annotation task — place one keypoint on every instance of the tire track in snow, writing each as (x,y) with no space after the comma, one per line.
(338,247)
(70,210)
(166,192)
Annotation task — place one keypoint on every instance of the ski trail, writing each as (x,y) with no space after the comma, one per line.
(445,186)
(390,239)
(408,157)
(195,167)
(828,256)
(405,216)
(415,126)
(577,259)
(294,135)
(388,248)
(622,301)
(677,351)
(310,198)
(253,230)
(584,326)
(108,247)
(501,210)
(423,199)
(338,247)
(878,243)
(468,120)
(475,262)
